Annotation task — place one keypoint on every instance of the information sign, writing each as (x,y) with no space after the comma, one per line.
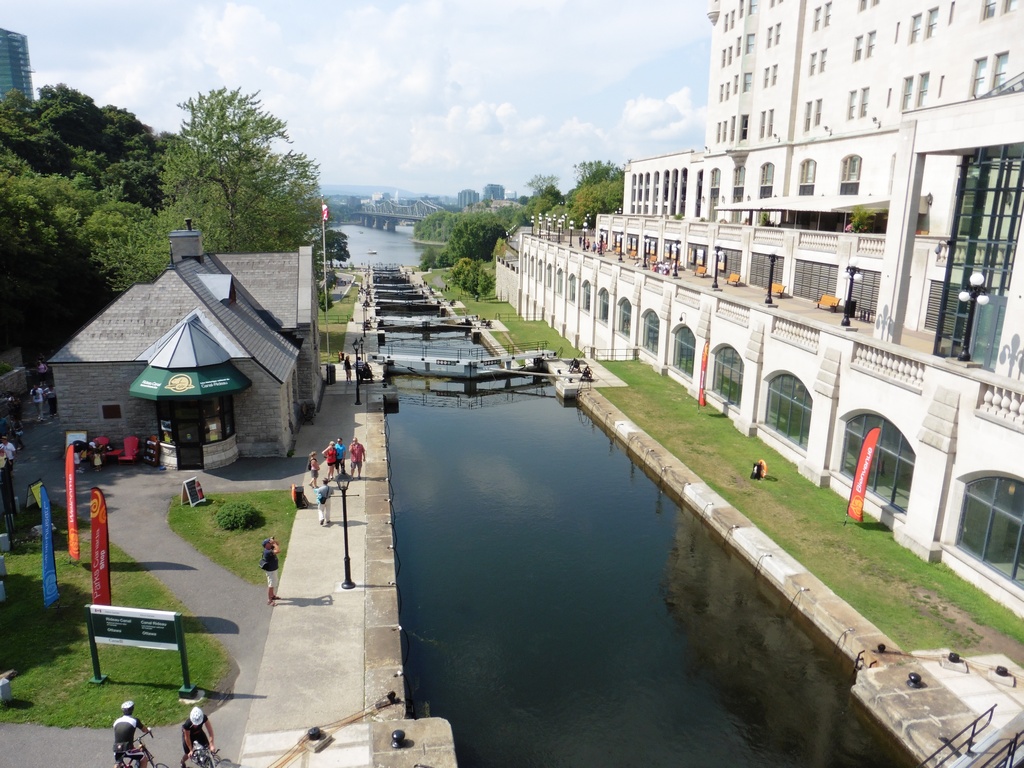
(192,492)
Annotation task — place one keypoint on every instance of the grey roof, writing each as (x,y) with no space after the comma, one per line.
(188,345)
(128,329)
(278,282)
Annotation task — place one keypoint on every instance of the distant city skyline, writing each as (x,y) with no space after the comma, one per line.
(432,97)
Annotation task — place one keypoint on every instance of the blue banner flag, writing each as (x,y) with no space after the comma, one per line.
(50,593)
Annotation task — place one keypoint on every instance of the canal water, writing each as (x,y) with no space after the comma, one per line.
(391,247)
(560,611)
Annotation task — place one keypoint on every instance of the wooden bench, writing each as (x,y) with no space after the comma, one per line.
(828,302)
(778,289)
(701,271)
(734,279)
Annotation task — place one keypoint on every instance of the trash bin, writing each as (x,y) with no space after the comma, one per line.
(330,373)
(853,309)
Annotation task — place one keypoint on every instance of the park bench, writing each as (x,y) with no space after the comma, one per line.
(734,279)
(701,271)
(828,302)
(778,289)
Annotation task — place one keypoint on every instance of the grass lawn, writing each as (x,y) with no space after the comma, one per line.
(339,314)
(49,647)
(236,551)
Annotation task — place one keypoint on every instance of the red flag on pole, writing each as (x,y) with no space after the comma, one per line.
(326,214)
(855,507)
(100,550)
(72,502)
(701,400)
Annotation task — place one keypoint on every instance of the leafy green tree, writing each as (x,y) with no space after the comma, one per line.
(473,237)
(223,171)
(126,244)
(472,277)
(436,228)
(596,171)
(539,183)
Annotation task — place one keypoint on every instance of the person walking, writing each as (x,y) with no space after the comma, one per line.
(356,454)
(51,399)
(269,563)
(37,401)
(314,469)
(348,368)
(331,457)
(340,449)
(323,493)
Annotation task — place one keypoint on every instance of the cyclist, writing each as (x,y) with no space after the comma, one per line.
(192,733)
(124,736)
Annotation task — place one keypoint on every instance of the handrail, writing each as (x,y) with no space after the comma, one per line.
(951,743)
(604,355)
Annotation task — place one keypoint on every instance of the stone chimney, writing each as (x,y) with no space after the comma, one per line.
(186,244)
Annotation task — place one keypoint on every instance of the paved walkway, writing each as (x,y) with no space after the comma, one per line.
(322,657)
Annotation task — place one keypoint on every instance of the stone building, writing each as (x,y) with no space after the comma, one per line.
(215,357)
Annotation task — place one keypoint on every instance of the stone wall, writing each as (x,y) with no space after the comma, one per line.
(84,388)
(506,281)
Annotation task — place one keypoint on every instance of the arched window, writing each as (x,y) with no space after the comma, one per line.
(739,176)
(533,265)
(728,375)
(585,288)
(651,331)
(559,280)
(625,320)
(714,191)
(990,523)
(893,467)
(808,170)
(602,305)
(767,180)
(684,350)
(789,409)
(850,175)
(547,281)
(572,289)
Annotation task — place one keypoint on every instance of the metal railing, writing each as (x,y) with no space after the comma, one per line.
(615,355)
(958,745)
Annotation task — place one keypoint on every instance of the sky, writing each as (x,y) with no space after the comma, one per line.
(428,96)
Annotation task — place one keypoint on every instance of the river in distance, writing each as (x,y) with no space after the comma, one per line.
(368,246)
(559,610)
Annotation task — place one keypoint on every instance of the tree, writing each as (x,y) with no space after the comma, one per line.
(539,183)
(223,172)
(596,171)
(473,237)
(473,277)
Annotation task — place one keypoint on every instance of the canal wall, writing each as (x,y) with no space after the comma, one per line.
(917,721)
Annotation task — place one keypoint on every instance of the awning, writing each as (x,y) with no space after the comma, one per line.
(189,384)
(821,203)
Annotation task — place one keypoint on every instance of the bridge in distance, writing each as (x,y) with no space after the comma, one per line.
(387,214)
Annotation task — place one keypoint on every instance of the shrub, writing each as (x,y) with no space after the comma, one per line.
(238,515)
(5,368)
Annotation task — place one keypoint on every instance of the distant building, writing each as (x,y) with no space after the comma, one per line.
(494,192)
(15,70)
(468,197)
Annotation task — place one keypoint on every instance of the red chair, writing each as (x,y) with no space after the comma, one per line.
(103,446)
(131,450)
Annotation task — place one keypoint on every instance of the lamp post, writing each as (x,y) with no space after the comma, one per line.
(974,295)
(623,244)
(357,347)
(718,260)
(343,487)
(854,277)
(571,225)
(772,258)
(675,262)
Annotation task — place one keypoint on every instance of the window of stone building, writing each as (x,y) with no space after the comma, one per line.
(625,319)
(684,350)
(727,380)
(651,331)
(990,523)
(585,299)
(602,306)
(892,470)
(789,409)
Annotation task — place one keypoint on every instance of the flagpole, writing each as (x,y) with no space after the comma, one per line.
(323,234)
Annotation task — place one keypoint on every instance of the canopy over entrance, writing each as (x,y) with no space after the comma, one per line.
(189,383)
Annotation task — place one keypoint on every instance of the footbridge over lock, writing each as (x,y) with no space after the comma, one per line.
(387,214)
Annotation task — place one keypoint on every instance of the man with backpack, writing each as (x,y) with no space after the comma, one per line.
(323,493)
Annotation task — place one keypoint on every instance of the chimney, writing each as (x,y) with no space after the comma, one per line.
(186,244)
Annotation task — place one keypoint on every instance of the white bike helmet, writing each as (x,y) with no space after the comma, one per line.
(128,707)
(196,716)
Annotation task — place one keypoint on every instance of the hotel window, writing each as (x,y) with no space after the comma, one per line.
(850,174)
(739,46)
(933,22)
(721,92)
(980,76)
(813,64)
(732,129)
(760,130)
(739,176)
(908,94)
(863,6)
(988,9)
(915,29)
(808,170)
(864,92)
(824,54)
(778,32)
(767,180)
(752,7)
(748,81)
(744,127)
(750,43)
(851,107)
(828,15)
(858,48)
(869,52)
(730,54)
(767,72)
(808,112)
(817,112)
(723,57)
(1009,5)
(999,71)
(922,88)
(735,83)
(775,73)
(817,18)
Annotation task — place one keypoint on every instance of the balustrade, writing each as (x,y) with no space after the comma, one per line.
(882,364)
(735,313)
(1002,405)
(818,241)
(797,334)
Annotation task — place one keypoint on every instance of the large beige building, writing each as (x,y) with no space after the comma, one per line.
(865,156)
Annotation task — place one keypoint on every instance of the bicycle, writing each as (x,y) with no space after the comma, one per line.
(203,757)
(131,761)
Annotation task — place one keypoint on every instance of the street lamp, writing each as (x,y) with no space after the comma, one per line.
(718,260)
(854,277)
(975,294)
(571,225)
(773,256)
(343,487)
(357,347)
(675,262)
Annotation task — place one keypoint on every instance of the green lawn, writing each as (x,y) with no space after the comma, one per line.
(339,314)
(49,648)
(236,551)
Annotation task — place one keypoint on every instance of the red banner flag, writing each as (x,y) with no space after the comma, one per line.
(100,548)
(855,508)
(701,400)
(326,214)
(72,502)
